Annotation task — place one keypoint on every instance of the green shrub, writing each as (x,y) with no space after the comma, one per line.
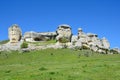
(42,68)
(24,45)
(87,54)
(51,73)
(85,47)
(7,71)
(4,42)
(63,40)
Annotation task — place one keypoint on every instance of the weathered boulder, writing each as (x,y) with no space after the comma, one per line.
(115,50)
(92,37)
(106,44)
(92,42)
(64,31)
(78,44)
(34,36)
(82,36)
(15,33)
(74,39)
(94,48)
(48,35)
(10,46)
(101,51)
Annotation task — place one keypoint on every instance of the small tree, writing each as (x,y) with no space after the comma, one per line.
(24,45)
(64,40)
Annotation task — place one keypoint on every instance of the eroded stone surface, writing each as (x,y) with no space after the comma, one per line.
(38,36)
(64,31)
(15,33)
(88,40)
(92,41)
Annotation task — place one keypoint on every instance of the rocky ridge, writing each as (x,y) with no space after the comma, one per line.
(64,39)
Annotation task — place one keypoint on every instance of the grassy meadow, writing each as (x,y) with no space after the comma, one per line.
(59,64)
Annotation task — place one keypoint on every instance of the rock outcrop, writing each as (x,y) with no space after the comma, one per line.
(115,50)
(15,33)
(91,41)
(63,36)
(105,43)
(64,31)
(10,46)
(34,36)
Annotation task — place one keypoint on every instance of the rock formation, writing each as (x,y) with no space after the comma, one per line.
(91,41)
(34,36)
(115,50)
(64,31)
(105,43)
(15,33)
(63,35)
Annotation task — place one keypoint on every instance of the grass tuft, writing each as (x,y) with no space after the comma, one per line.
(42,69)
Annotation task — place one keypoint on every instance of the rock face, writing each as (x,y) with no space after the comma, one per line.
(105,42)
(115,50)
(64,31)
(9,46)
(74,39)
(49,35)
(15,33)
(82,36)
(34,36)
(63,36)
(91,41)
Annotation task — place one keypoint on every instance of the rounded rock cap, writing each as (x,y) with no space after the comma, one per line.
(15,25)
(65,25)
(79,29)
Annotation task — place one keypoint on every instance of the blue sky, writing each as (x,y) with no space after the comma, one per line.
(97,16)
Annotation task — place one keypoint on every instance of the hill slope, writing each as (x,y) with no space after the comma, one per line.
(59,64)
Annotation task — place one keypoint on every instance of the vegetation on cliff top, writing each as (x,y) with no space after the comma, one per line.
(4,42)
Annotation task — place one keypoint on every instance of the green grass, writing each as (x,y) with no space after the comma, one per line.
(43,43)
(4,42)
(59,64)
